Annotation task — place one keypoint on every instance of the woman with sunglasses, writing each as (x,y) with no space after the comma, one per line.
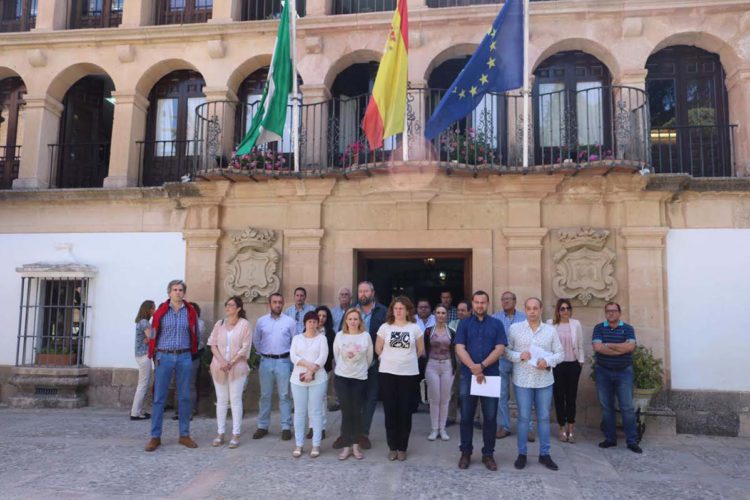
(567,373)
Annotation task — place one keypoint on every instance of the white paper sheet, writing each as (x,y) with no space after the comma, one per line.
(489,389)
(537,353)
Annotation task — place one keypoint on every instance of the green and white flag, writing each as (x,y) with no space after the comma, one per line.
(269,119)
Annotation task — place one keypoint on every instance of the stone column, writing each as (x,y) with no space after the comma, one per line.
(128,128)
(201,270)
(416,4)
(137,13)
(417,115)
(41,127)
(738,88)
(631,127)
(524,250)
(51,15)
(216,127)
(302,262)
(646,309)
(314,126)
(226,11)
(318,7)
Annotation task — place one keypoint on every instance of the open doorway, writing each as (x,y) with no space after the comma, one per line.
(416,273)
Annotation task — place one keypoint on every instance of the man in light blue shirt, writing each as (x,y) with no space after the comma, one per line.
(272,339)
(345,302)
(298,310)
(508,315)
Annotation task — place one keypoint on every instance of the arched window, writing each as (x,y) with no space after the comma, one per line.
(688,103)
(85,133)
(571,106)
(170,131)
(12,91)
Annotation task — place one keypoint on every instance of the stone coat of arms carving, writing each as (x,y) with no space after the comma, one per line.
(253,268)
(584,266)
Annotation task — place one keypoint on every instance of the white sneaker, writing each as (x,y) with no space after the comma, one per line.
(444,435)
(433,435)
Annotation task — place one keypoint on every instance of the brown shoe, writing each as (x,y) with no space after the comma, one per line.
(502,433)
(401,455)
(392,455)
(187,441)
(489,462)
(286,435)
(153,444)
(338,443)
(464,461)
(259,433)
(364,442)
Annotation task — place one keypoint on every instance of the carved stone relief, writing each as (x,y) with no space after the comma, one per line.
(253,268)
(584,266)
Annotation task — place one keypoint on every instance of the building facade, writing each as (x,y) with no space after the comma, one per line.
(108,105)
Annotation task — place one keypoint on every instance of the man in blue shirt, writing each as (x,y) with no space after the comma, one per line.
(508,315)
(272,339)
(480,342)
(614,343)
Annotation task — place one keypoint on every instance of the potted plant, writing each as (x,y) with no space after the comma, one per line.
(648,376)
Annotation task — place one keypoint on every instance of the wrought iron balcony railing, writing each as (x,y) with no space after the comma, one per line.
(464,3)
(165,161)
(698,150)
(81,165)
(603,127)
(10,159)
(257,10)
(361,6)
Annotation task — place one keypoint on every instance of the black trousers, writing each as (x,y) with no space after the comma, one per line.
(351,393)
(398,403)
(565,391)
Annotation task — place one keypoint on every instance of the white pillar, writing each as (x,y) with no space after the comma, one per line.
(226,11)
(137,13)
(51,15)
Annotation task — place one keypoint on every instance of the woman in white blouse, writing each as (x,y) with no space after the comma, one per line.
(399,343)
(567,372)
(230,343)
(352,352)
(308,355)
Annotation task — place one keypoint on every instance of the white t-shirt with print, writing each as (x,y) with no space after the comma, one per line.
(399,356)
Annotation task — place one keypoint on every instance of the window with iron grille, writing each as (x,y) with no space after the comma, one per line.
(53,316)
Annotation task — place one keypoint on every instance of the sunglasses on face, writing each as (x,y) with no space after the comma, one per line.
(566,308)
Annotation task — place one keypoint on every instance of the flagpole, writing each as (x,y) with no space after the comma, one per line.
(295,101)
(526,90)
(406,122)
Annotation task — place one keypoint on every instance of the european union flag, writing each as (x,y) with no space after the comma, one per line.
(496,66)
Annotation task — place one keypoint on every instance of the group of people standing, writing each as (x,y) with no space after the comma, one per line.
(373,352)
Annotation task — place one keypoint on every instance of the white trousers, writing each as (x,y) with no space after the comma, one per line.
(144,382)
(226,394)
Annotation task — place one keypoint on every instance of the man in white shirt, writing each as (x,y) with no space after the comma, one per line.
(298,310)
(425,318)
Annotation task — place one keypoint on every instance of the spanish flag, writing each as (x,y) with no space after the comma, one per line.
(385,111)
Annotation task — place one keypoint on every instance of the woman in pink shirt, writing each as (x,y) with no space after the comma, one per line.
(230,344)
(567,373)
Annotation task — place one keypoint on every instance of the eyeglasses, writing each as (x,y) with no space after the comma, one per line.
(611,311)
(566,308)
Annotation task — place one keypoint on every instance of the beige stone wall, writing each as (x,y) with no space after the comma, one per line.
(135,56)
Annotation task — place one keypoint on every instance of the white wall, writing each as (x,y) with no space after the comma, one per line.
(709,298)
(132,267)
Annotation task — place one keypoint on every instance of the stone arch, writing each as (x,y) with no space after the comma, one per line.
(728,55)
(6,72)
(459,50)
(60,84)
(586,45)
(159,70)
(358,56)
(245,69)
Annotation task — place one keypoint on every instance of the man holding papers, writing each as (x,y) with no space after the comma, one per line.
(480,341)
(535,349)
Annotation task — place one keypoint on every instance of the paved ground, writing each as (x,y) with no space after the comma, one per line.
(98,453)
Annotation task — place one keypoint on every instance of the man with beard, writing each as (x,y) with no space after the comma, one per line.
(373,315)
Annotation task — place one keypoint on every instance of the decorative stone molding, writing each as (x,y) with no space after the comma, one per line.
(632,27)
(125,53)
(37,58)
(584,266)
(216,49)
(253,268)
(313,44)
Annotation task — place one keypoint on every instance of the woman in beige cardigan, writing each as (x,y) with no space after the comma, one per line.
(567,372)
(230,344)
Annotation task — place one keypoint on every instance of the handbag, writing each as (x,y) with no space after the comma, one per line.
(423,390)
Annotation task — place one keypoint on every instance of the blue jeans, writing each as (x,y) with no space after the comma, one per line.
(308,401)
(542,399)
(182,366)
(468,408)
(275,371)
(611,383)
(371,398)
(503,414)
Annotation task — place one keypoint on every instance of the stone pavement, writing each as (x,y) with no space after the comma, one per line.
(98,453)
